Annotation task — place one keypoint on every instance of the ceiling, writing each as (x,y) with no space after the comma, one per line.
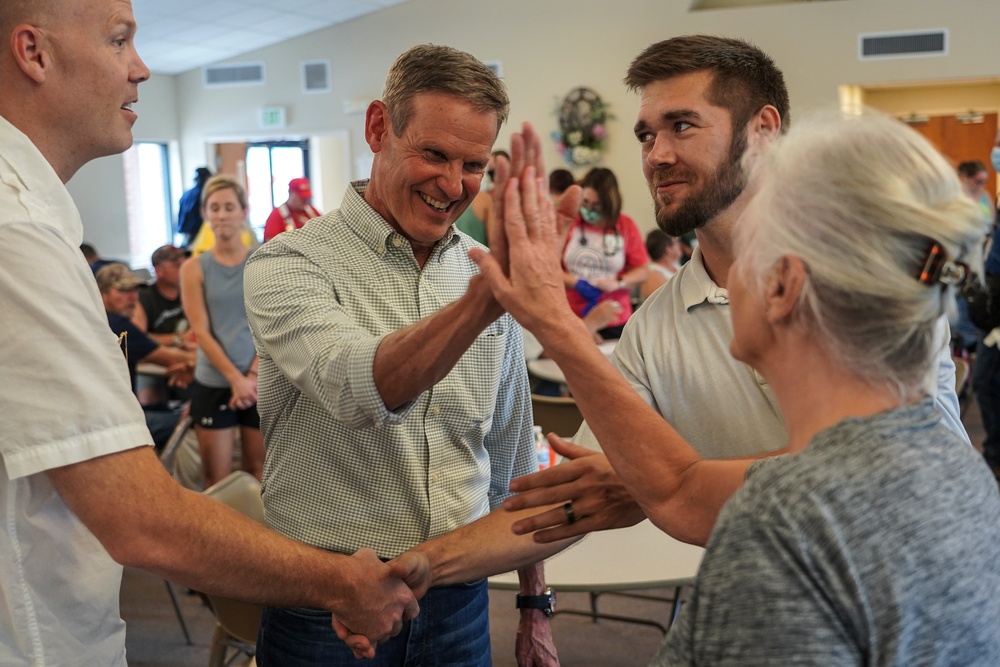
(180,35)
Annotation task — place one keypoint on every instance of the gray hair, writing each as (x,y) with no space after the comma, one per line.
(861,200)
(428,68)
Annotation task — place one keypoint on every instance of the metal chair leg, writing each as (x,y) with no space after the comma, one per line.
(177,610)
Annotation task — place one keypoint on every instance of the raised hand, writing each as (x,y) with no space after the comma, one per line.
(534,290)
(600,501)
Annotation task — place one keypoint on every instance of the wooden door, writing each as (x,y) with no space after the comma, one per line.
(960,141)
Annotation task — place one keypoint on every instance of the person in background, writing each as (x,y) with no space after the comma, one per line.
(475,220)
(986,366)
(118,288)
(159,312)
(93,258)
(665,259)
(205,240)
(82,491)
(394,393)
(189,209)
(974,176)
(875,539)
(159,315)
(603,257)
(224,394)
(559,182)
(295,212)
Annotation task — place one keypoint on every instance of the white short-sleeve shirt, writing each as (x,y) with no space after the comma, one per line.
(65,397)
(674,352)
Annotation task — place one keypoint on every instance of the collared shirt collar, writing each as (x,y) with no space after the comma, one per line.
(30,188)
(375,231)
(698,287)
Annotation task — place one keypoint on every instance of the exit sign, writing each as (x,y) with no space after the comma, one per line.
(272,118)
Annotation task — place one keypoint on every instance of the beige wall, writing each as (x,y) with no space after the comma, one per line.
(548,47)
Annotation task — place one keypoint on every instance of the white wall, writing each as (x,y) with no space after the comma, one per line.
(548,47)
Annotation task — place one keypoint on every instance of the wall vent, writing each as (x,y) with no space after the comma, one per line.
(876,46)
(315,76)
(228,76)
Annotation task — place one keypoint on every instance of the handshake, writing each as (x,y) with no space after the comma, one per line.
(376,597)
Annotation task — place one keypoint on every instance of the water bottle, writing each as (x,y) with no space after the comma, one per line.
(542,450)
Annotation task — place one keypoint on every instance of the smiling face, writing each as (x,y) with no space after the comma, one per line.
(690,157)
(225,214)
(93,79)
(425,178)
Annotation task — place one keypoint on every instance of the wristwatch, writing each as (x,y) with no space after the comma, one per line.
(546,602)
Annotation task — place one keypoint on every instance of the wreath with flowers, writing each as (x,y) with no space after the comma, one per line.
(582,131)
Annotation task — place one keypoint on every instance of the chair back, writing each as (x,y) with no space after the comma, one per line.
(556,414)
(241,491)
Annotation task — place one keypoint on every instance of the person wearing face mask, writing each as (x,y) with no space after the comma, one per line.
(604,256)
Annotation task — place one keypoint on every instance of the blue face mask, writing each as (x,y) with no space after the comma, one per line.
(995,157)
(590,217)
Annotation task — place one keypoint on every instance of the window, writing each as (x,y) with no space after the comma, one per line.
(147,200)
(270,166)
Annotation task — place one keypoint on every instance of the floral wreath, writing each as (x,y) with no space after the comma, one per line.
(582,133)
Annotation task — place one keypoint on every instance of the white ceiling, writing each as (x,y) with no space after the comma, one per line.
(179,35)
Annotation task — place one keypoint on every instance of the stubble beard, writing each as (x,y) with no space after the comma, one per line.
(714,196)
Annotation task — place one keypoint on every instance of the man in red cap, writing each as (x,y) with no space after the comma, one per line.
(294,213)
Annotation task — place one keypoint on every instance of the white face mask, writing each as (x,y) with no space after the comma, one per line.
(995,157)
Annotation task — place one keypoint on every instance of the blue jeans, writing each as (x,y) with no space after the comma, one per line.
(986,382)
(453,629)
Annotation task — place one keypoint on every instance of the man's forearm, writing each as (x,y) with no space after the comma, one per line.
(412,360)
(200,543)
(487,547)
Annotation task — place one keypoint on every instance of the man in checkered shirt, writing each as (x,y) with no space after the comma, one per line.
(393,396)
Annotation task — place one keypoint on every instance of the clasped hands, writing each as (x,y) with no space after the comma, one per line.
(524,275)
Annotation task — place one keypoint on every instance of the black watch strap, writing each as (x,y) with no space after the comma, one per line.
(546,602)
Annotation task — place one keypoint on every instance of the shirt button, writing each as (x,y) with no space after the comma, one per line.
(397,241)
(434,478)
(436,410)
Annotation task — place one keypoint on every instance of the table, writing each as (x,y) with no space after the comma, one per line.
(546,369)
(150,369)
(610,561)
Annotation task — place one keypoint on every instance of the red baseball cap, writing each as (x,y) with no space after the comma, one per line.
(301,187)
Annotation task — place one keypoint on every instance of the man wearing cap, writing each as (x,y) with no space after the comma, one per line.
(119,292)
(158,311)
(295,212)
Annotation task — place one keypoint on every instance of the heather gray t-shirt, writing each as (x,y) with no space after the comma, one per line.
(877,545)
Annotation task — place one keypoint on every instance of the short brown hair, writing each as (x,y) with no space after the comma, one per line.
(428,68)
(744,77)
(223,182)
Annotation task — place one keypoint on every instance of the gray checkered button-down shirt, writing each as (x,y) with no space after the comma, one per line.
(342,471)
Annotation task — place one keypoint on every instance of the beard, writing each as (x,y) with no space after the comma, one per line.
(716,193)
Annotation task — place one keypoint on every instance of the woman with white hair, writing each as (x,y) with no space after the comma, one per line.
(876,539)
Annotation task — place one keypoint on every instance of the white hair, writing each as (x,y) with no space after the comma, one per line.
(860,200)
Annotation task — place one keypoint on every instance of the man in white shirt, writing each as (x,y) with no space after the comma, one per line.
(82,492)
(704,102)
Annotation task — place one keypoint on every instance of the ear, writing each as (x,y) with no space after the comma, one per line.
(377,125)
(784,287)
(764,127)
(30,50)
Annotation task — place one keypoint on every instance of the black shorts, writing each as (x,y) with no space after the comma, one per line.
(210,409)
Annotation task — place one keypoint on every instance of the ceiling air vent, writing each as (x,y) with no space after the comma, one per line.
(315,76)
(876,46)
(228,76)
